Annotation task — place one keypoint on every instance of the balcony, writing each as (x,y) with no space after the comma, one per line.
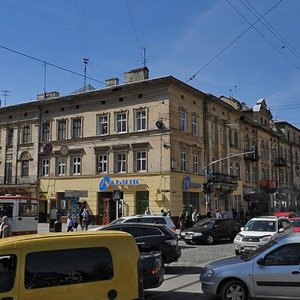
(268,185)
(224,181)
(279,162)
(19,180)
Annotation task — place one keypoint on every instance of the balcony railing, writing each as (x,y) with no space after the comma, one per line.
(19,180)
(279,162)
(223,178)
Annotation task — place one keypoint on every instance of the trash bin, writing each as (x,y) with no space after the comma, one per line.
(57,226)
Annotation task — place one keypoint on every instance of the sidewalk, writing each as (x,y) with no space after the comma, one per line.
(44,227)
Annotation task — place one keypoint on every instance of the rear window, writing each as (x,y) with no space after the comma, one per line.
(67,266)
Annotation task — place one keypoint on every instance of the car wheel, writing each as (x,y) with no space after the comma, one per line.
(210,239)
(234,290)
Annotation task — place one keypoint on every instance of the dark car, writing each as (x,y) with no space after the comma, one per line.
(153,270)
(210,230)
(152,237)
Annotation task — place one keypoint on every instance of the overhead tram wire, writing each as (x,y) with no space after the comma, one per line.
(49,64)
(232,42)
(265,38)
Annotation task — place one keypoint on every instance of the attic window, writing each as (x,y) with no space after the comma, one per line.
(76,106)
(25,115)
(181,96)
(140,95)
(62,108)
(46,111)
(121,99)
(194,102)
(10,117)
(103,102)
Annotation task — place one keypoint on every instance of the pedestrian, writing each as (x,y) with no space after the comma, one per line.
(242,215)
(57,225)
(5,228)
(188,220)
(85,219)
(169,214)
(70,223)
(195,216)
(163,213)
(234,214)
(147,211)
(218,215)
(208,214)
(181,219)
(80,217)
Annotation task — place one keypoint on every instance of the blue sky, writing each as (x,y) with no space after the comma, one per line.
(211,39)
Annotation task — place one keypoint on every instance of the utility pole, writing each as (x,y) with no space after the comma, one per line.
(85,61)
(5,93)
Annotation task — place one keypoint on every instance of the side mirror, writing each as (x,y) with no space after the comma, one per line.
(280,230)
(261,262)
(242,228)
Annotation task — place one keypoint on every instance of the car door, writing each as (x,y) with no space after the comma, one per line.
(278,274)
(219,230)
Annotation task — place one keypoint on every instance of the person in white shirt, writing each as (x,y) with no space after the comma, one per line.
(147,211)
(195,216)
(218,215)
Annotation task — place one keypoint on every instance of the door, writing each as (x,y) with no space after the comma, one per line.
(106,209)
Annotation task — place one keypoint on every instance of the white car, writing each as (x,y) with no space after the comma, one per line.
(153,219)
(260,230)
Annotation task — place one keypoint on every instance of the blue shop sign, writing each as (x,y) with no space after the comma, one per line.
(106,181)
(187,183)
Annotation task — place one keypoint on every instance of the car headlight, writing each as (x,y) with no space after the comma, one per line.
(265,239)
(198,234)
(208,273)
(238,238)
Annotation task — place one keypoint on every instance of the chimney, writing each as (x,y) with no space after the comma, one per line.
(135,75)
(49,95)
(112,82)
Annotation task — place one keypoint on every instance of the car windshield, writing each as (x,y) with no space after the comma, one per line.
(260,225)
(117,221)
(295,223)
(205,224)
(258,251)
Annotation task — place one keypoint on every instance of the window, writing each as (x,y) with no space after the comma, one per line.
(26,134)
(61,166)
(183,160)
(182,121)
(102,163)
(62,267)
(76,128)
(121,122)
(46,131)
(140,120)
(45,167)
(120,159)
(141,161)
(103,124)
(8,263)
(76,165)
(195,125)
(10,136)
(25,168)
(195,164)
(286,255)
(62,130)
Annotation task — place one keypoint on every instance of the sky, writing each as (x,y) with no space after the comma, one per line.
(247,49)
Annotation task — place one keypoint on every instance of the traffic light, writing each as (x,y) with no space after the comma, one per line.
(205,187)
(210,187)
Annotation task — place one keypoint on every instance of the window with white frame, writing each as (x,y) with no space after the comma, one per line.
(61,166)
(120,162)
(26,134)
(102,124)
(196,164)
(183,159)
(76,128)
(76,165)
(102,163)
(182,120)
(25,168)
(46,131)
(45,167)
(140,120)
(141,161)
(62,129)
(195,125)
(121,122)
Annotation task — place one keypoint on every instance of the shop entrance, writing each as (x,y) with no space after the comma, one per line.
(109,208)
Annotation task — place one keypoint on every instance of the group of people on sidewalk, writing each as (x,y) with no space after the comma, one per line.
(5,228)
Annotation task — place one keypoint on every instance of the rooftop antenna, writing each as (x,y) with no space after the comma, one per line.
(5,93)
(235,91)
(144,57)
(85,61)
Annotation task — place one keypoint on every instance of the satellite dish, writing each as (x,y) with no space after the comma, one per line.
(159,124)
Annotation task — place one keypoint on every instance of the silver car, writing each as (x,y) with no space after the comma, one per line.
(272,271)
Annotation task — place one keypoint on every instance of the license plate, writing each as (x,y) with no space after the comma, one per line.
(188,237)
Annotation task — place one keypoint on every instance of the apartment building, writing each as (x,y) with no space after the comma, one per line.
(144,143)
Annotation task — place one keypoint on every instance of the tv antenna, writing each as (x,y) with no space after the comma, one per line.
(5,94)
(85,61)
(144,57)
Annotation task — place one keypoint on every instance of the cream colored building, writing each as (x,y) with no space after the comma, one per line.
(126,147)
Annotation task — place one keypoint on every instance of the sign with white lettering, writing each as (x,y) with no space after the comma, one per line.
(106,181)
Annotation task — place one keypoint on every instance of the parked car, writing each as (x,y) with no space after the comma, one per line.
(271,271)
(153,270)
(287,214)
(152,237)
(152,219)
(210,230)
(258,231)
(296,223)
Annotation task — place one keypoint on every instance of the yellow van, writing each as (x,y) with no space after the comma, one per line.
(69,266)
